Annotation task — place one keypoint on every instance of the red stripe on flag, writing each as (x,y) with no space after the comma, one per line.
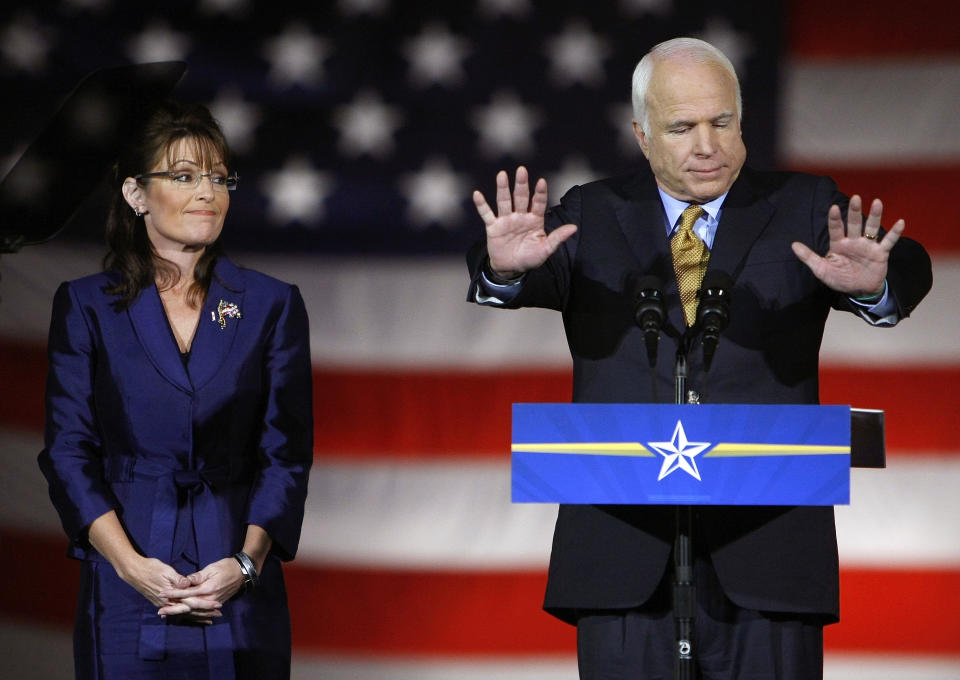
(23,366)
(40,583)
(898,610)
(911,193)
(909,395)
(392,612)
(397,612)
(826,29)
(417,413)
(427,413)
(379,612)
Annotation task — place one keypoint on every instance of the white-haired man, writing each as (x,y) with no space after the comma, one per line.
(767,577)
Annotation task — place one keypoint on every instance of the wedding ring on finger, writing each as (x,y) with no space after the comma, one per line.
(872,237)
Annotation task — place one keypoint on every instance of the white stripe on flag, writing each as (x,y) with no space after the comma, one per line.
(872,112)
(458,515)
(413,312)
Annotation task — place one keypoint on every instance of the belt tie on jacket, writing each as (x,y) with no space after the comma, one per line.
(210,546)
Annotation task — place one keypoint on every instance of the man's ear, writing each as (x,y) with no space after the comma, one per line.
(641,137)
(134,194)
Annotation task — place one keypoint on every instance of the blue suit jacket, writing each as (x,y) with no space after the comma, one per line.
(776,558)
(198,451)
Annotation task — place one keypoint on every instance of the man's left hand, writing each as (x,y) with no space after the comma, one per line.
(856,263)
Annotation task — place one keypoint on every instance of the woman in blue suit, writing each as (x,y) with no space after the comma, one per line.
(179,426)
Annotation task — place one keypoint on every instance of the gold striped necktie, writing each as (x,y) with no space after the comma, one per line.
(690,257)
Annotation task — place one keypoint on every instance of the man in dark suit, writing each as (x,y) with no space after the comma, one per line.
(767,577)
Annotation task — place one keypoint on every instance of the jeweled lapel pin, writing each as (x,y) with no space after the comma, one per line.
(225,310)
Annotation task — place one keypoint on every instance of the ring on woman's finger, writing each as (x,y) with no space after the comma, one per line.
(872,237)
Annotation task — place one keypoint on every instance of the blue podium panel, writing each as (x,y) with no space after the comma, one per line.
(665,454)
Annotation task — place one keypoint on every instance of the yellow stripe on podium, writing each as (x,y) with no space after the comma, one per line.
(587,449)
(748,450)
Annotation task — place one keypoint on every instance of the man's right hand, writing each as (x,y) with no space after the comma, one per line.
(516,239)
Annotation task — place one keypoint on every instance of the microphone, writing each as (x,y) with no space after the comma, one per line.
(713,312)
(649,313)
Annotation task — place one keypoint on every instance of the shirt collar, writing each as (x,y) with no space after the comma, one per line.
(674,207)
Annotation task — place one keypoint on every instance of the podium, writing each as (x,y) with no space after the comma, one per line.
(688,455)
(668,454)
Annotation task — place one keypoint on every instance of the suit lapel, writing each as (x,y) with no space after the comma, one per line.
(642,221)
(153,331)
(745,215)
(212,342)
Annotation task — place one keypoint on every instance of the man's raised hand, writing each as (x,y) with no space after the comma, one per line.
(516,239)
(856,263)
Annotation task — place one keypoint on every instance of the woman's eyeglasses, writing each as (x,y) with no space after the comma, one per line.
(187,179)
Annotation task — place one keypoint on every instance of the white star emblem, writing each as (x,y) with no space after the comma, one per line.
(296,192)
(237,118)
(736,45)
(435,194)
(679,454)
(367,126)
(158,43)
(506,126)
(576,56)
(296,57)
(435,57)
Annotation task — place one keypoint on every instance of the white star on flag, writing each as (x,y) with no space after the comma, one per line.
(620,117)
(296,57)
(736,45)
(679,454)
(367,126)
(158,43)
(506,126)
(237,118)
(435,57)
(576,56)
(435,194)
(574,171)
(297,192)
(24,44)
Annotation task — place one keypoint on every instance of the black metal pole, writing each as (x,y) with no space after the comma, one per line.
(684,596)
(684,589)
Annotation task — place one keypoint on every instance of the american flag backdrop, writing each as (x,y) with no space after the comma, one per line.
(360,128)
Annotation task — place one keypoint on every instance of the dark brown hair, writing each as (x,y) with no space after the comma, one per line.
(129,249)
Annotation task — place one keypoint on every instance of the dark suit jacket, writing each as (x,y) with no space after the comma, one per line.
(767,558)
(182,452)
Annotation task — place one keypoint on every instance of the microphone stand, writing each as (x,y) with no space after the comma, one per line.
(684,589)
(649,314)
(713,314)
